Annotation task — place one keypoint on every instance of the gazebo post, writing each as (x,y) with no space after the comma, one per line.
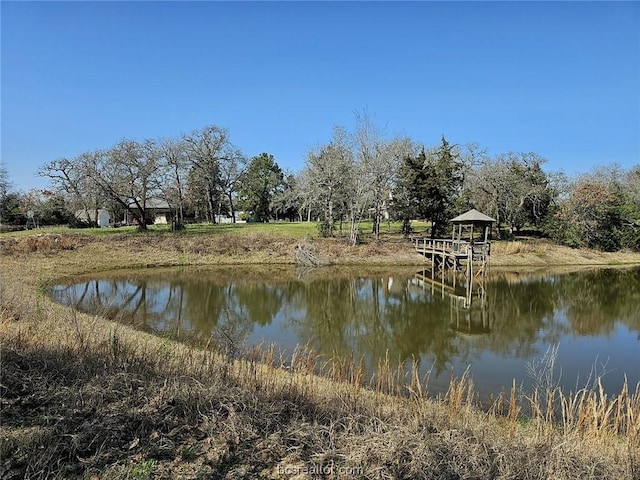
(474,218)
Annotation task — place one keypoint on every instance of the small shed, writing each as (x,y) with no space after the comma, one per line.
(89,216)
(472,219)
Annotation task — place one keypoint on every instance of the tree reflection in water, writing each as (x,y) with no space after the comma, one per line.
(512,319)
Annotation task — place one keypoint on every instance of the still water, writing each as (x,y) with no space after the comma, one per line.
(498,329)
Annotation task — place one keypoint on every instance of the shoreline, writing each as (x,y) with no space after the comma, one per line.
(144,251)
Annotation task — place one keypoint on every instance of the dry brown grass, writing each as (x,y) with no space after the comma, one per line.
(541,252)
(45,243)
(84,397)
(517,247)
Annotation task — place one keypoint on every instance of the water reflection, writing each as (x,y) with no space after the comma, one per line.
(504,322)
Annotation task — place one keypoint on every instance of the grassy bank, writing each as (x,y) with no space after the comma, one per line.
(272,243)
(83,397)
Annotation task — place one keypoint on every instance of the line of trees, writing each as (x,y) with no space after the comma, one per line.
(359,174)
(202,176)
(598,210)
(364,174)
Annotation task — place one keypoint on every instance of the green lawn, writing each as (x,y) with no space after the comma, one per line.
(296,229)
(288,229)
(65,229)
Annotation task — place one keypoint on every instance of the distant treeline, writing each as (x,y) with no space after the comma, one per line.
(357,175)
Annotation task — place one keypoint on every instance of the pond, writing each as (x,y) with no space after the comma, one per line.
(498,329)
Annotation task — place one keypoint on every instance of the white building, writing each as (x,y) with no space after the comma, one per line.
(103,220)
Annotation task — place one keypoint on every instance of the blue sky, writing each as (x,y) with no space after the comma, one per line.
(558,79)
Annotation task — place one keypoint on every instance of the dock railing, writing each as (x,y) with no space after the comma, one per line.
(455,247)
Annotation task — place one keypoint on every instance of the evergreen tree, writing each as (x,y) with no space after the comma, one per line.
(444,176)
(11,211)
(409,195)
(262,181)
(428,187)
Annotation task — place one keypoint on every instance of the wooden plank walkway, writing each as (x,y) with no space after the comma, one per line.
(455,255)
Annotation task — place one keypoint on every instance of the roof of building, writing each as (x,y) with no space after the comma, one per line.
(473,216)
(154,203)
(83,213)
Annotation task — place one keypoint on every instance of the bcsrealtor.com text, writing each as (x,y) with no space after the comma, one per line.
(320,470)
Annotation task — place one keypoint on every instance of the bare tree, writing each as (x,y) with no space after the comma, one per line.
(5,186)
(377,162)
(631,184)
(5,183)
(128,174)
(366,139)
(71,176)
(305,187)
(329,171)
(512,187)
(175,173)
(207,149)
(196,195)
(202,166)
(232,167)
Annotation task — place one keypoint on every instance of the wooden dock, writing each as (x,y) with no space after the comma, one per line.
(456,255)
(466,254)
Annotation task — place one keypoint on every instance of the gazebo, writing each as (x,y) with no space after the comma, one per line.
(459,254)
(452,253)
(472,218)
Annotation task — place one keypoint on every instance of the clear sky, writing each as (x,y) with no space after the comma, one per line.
(558,79)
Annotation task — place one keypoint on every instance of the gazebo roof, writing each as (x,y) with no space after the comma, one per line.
(472,216)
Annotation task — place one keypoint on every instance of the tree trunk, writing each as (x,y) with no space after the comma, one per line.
(95,218)
(353,234)
(210,208)
(233,212)
(376,222)
(353,230)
